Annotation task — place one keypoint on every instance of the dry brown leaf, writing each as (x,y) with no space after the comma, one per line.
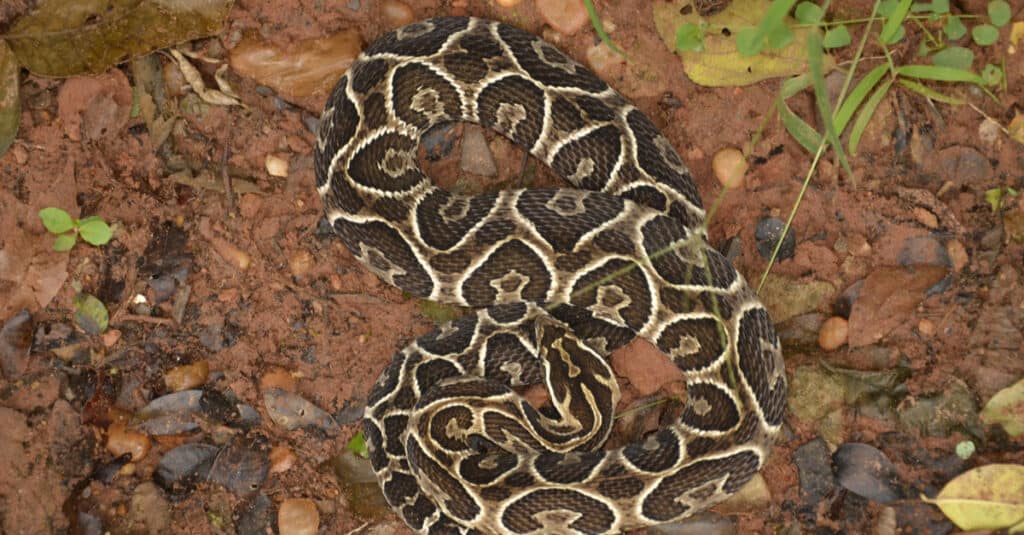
(888,298)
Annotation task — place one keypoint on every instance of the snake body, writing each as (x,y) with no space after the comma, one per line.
(562,277)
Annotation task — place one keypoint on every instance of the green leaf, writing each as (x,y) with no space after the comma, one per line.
(859,93)
(808,13)
(994,198)
(64,242)
(815,57)
(984,34)
(779,37)
(749,41)
(901,32)
(56,220)
(865,115)
(993,74)
(928,92)
(940,6)
(1006,408)
(794,85)
(989,497)
(939,74)
(10,104)
(954,29)
(836,37)
(999,12)
(689,37)
(94,230)
(965,449)
(887,7)
(358,445)
(803,133)
(90,313)
(894,23)
(954,57)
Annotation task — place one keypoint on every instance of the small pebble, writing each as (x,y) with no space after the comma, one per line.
(507,3)
(111,337)
(300,263)
(276,166)
(604,61)
(396,13)
(834,333)
(729,166)
(565,16)
(926,218)
(230,253)
(282,459)
(278,378)
(121,441)
(926,327)
(20,154)
(957,254)
(187,376)
(298,516)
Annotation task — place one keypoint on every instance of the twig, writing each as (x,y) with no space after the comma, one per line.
(226,178)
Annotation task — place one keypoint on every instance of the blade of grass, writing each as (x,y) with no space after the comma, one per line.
(595,21)
(815,55)
(794,85)
(894,22)
(865,115)
(940,74)
(859,93)
(928,92)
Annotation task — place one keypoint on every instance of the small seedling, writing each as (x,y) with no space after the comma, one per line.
(93,229)
(358,445)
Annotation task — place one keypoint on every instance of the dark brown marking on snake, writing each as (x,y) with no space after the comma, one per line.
(591,516)
(444,218)
(659,452)
(512,272)
(587,162)
(709,407)
(693,343)
(661,504)
(522,126)
(616,293)
(760,361)
(562,230)
(422,97)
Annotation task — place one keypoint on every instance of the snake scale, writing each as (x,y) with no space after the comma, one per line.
(561,277)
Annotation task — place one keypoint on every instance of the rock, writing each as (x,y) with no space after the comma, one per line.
(292,411)
(866,471)
(703,523)
(565,16)
(787,298)
(951,409)
(241,467)
(184,466)
(476,155)
(959,165)
(767,234)
(298,516)
(814,465)
(149,508)
(834,333)
(258,517)
(15,343)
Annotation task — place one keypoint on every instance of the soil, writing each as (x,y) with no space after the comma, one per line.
(251,282)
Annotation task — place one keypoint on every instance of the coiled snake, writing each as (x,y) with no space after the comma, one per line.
(567,275)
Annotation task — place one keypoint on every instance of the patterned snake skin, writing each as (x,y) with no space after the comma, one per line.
(562,276)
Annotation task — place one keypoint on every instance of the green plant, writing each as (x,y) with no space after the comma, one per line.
(939,28)
(92,229)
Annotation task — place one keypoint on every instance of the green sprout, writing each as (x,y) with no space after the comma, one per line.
(92,229)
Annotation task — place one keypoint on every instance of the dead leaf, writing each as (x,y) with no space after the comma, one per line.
(10,104)
(195,81)
(301,71)
(93,107)
(61,38)
(888,299)
(720,64)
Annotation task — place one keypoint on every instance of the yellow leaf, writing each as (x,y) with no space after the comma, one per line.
(1016,128)
(719,63)
(1007,408)
(987,497)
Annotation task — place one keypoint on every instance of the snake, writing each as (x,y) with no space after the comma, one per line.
(558,277)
